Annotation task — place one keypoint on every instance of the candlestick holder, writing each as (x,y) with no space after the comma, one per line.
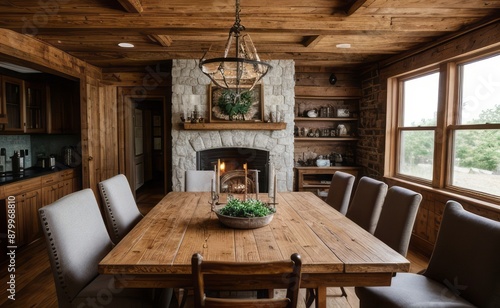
(214,197)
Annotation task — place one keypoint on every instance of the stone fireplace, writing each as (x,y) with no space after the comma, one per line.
(190,89)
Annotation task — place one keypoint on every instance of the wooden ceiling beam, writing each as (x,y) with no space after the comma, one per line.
(163,40)
(132,6)
(309,24)
(312,41)
(353,8)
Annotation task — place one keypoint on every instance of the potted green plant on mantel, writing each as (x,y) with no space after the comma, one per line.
(235,105)
(246,214)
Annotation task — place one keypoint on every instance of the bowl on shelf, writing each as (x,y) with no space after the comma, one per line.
(322,162)
(312,113)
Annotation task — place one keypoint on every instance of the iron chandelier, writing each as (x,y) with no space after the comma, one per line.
(244,69)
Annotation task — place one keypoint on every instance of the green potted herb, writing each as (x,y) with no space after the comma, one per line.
(247,214)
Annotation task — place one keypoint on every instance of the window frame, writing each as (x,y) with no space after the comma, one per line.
(448,111)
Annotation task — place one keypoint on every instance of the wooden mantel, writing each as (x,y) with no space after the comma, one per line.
(234,125)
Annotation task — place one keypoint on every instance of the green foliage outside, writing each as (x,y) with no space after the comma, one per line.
(473,148)
(248,208)
(234,105)
(480,148)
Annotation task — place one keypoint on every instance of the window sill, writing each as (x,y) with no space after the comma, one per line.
(492,205)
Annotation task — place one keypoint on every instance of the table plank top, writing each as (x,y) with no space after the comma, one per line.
(182,223)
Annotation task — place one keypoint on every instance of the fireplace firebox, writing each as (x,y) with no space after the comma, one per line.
(234,159)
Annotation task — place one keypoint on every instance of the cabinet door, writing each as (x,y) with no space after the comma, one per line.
(55,191)
(13,97)
(32,202)
(36,104)
(64,115)
(3,106)
(66,187)
(51,193)
(27,225)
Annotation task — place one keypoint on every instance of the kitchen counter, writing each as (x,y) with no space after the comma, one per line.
(29,173)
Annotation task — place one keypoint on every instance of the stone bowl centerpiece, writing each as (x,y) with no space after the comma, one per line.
(247,214)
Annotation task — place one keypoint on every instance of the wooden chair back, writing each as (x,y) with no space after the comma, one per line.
(217,275)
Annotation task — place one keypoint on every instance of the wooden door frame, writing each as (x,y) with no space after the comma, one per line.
(126,149)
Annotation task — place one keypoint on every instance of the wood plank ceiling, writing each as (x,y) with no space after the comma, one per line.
(307,31)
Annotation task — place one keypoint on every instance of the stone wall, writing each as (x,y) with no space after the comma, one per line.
(190,88)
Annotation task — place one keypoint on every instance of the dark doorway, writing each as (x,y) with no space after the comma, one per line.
(150,148)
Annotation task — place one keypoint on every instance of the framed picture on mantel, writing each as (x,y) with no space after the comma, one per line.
(222,106)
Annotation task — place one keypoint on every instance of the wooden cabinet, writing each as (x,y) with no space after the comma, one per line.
(318,179)
(39,106)
(27,196)
(28,223)
(64,111)
(36,107)
(3,106)
(57,185)
(12,101)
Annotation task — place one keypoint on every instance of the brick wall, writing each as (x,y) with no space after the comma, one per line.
(372,108)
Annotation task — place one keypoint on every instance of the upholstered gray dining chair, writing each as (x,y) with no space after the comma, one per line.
(76,241)
(340,191)
(366,203)
(120,208)
(283,275)
(200,180)
(364,210)
(463,270)
(397,218)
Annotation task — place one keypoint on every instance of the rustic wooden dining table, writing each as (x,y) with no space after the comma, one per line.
(335,251)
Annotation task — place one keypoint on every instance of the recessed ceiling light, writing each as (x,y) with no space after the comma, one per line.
(18,68)
(126,45)
(344,45)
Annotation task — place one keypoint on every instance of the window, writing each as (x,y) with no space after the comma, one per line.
(419,101)
(476,138)
(448,127)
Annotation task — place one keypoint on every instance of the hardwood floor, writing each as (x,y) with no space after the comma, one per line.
(35,285)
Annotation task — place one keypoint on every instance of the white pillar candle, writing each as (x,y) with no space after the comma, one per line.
(257,184)
(270,180)
(275,189)
(246,182)
(215,184)
(218,177)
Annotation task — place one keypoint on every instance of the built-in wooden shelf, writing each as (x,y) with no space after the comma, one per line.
(235,125)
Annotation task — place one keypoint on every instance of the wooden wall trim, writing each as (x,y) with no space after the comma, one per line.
(451,38)
(21,48)
(484,38)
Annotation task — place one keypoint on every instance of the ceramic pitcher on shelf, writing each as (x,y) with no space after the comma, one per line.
(341,130)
